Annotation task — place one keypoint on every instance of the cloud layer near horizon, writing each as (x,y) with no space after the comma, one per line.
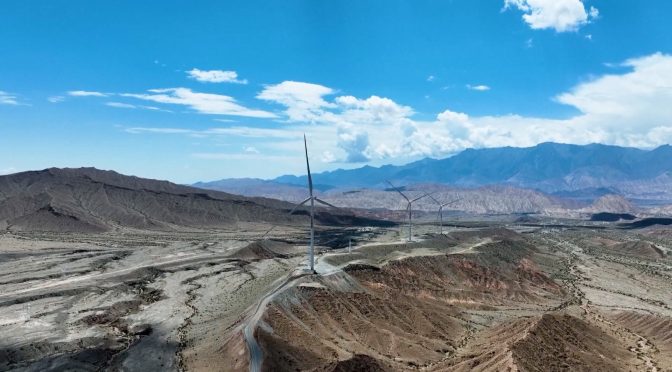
(633,108)
(630,109)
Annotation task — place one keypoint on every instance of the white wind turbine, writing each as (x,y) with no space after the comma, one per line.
(409,207)
(440,214)
(312,199)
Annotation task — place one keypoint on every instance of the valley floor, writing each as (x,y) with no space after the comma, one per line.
(483,297)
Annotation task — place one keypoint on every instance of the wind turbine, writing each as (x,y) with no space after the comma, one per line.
(312,199)
(440,214)
(409,207)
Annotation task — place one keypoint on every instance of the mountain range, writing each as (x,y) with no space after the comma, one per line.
(569,171)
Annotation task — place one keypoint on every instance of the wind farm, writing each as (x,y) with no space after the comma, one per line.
(336,186)
(273,286)
(409,208)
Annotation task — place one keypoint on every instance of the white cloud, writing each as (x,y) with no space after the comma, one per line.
(328,157)
(355,143)
(641,97)
(251,150)
(633,108)
(56,99)
(130,106)
(452,117)
(215,76)
(593,12)
(431,78)
(303,101)
(204,103)
(629,109)
(480,87)
(560,15)
(8,99)
(138,130)
(120,105)
(237,131)
(86,93)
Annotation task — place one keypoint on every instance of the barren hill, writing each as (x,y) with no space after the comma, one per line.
(548,342)
(407,312)
(490,199)
(88,200)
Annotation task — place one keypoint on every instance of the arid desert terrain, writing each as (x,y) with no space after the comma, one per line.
(489,296)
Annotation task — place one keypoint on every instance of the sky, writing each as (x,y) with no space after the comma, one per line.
(193,91)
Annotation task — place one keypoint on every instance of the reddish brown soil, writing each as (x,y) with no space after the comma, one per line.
(656,328)
(551,342)
(408,313)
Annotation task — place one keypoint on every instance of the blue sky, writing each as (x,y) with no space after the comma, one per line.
(190,91)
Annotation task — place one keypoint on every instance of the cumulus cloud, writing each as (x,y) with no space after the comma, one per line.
(628,109)
(452,117)
(647,88)
(303,101)
(204,103)
(480,87)
(355,143)
(631,108)
(560,15)
(86,93)
(215,76)
(8,99)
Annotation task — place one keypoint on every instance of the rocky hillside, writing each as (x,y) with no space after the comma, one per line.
(88,200)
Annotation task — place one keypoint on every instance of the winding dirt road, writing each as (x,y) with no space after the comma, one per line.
(255,352)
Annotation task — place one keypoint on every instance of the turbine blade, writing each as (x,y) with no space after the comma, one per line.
(397,190)
(310,177)
(433,198)
(419,197)
(268,231)
(450,202)
(325,203)
(298,205)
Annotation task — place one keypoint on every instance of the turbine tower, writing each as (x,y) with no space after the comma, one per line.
(439,216)
(409,207)
(312,199)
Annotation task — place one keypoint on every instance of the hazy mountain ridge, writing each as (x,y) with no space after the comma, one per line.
(549,167)
(549,178)
(480,200)
(257,187)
